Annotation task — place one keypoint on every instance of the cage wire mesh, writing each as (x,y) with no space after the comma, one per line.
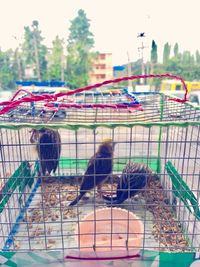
(147,201)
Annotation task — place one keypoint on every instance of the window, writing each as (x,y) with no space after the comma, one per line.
(178,87)
(100,76)
(102,56)
(102,66)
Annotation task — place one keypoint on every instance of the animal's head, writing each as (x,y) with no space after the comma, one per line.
(35,134)
(106,147)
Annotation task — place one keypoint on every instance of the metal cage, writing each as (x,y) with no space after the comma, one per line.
(37,226)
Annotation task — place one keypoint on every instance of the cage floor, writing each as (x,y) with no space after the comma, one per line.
(49,224)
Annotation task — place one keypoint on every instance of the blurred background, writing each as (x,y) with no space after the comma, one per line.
(80,43)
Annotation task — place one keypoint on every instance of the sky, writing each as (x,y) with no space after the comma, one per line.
(115,24)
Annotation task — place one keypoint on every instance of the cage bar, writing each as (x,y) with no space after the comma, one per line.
(160,140)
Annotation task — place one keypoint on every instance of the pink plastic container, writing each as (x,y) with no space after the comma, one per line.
(108,232)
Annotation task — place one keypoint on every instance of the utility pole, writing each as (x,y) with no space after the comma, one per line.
(130,87)
(36,56)
(141,49)
(19,69)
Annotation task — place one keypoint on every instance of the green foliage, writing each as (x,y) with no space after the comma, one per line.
(154,54)
(7,75)
(176,50)
(187,58)
(18,65)
(158,69)
(28,53)
(197,57)
(56,60)
(182,64)
(79,59)
(34,52)
(186,67)
(49,64)
(166,53)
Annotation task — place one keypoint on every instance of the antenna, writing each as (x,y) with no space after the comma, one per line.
(141,48)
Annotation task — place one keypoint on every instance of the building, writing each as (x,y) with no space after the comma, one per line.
(29,72)
(102,68)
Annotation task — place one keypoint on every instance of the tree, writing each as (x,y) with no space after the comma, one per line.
(166,53)
(17,65)
(197,57)
(187,58)
(184,65)
(56,60)
(176,50)
(154,59)
(79,59)
(154,53)
(7,76)
(34,52)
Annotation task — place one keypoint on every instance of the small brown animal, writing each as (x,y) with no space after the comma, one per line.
(98,169)
(135,176)
(48,146)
